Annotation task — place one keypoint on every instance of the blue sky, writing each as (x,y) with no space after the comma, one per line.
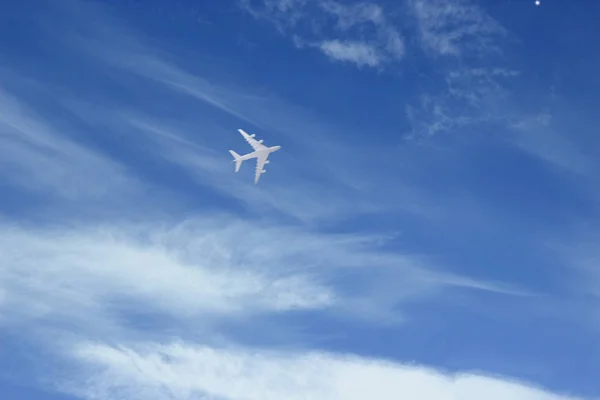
(427,231)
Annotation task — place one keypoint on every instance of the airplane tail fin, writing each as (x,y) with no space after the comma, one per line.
(237,159)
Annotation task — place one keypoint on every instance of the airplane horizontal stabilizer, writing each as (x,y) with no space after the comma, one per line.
(237,159)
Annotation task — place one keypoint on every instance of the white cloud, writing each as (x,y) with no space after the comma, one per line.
(183,271)
(188,372)
(455,27)
(354,17)
(472,92)
(211,266)
(445,27)
(358,53)
(480,88)
(88,283)
(361,33)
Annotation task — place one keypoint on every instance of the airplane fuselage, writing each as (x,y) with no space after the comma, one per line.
(258,153)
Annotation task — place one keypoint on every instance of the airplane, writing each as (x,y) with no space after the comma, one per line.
(261,152)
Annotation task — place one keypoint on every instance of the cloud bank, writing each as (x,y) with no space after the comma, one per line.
(198,372)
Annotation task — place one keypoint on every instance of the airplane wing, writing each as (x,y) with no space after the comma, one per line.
(256,145)
(260,163)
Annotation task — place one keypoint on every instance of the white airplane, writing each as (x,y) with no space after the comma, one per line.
(261,152)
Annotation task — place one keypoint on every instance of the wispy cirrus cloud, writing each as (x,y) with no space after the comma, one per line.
(184,371)
(482,90)
(578,254)
(537,135)
(358,33)
(472,74)
(470,81)
(469,97)
(462,45)
(456,28)
(37,157)
(331,160)
(203,164)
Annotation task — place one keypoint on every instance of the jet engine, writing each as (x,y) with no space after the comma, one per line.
(260,141)
(266,162)
(263,171)
(253,135)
